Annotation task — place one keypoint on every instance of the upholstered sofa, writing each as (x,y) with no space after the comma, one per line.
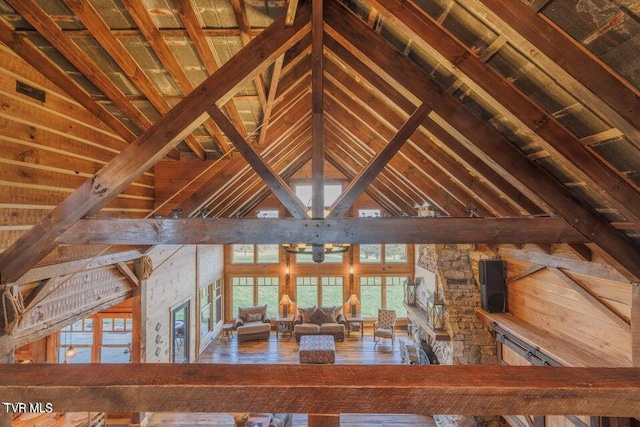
(253,323)
(319,321)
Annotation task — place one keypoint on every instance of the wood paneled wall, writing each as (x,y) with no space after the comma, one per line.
(48,149)
(547,302)
(177,274)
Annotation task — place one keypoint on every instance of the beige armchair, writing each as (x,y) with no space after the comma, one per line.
(384,326)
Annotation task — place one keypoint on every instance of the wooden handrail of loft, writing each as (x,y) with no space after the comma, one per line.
(326,389)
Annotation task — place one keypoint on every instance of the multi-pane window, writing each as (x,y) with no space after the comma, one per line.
(78,335)
(331,193)
(307,291)
(388,253)
(218,297)
(242,254)
(248,291)
(268,294)
(329,258)
(370,295)
(242,293)
(385,292)
(329,293)
(116,340)
(268,254)
(205,295)
(332,293)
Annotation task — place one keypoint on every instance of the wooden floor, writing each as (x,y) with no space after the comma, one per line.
(354,350)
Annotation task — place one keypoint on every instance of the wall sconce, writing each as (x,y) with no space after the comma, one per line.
(176,212)
(285,302)
(353,302)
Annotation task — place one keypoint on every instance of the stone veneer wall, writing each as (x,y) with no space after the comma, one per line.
(471,342)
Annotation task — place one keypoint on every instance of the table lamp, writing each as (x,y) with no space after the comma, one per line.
(285,302)
(353,302)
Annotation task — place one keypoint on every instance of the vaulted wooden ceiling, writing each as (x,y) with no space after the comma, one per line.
(512,107)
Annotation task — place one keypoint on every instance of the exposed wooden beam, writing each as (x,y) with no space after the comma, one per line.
(369,47)
(619,319)
(121,56)
(635,326)
(355,230)
(556,140)
(526,273)
(271,98)
(277,185)
(373,168)
(590,80)
(292,7)
(317,111)
(34,56)
(40,20)
(151,146)
(126,271)
(603,271)
(320,389)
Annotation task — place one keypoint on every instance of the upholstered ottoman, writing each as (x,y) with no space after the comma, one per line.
(317,349)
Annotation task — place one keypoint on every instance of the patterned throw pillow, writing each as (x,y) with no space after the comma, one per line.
(332,314)
(319,317)
(254,317)
(306,313)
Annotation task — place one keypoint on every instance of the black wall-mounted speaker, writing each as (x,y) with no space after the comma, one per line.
(493,285)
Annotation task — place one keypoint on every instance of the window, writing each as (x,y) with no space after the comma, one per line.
(268,213)
(388,253)
(370,253)
(242,293)
(268,294)
(218,307)
(371,295)
(331,193)
(330,292)
(242,254)
(395,253)
(307,291)
(79,335)
(116,340)
(329,258)
(385,292)
(268,254)
(205,296)
(248,291)
(180,334)
(369,213)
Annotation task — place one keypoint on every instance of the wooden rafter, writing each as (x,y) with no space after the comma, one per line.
(514,230)
(471,162)
(198,37)
(635,325)
(317,110)
(368,174)
(240,12)
(27,51)
(556,139)
(526,273)
(420,152)
(352,32)
(94,22)
(467,390)
(151,146)
(587,78)
(48,29)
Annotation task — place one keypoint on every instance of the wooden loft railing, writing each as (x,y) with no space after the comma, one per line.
(326,389)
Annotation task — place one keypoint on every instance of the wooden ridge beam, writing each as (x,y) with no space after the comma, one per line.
(517,230)
(151,146)
(347,29)
(463,390)
(317,117)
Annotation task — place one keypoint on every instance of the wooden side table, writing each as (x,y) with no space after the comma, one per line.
(284,324)
(227,332)
(355,319)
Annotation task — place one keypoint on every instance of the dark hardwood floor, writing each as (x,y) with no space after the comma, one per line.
(354,350)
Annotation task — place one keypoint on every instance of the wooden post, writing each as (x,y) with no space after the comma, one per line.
(142,269)
(635,325)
